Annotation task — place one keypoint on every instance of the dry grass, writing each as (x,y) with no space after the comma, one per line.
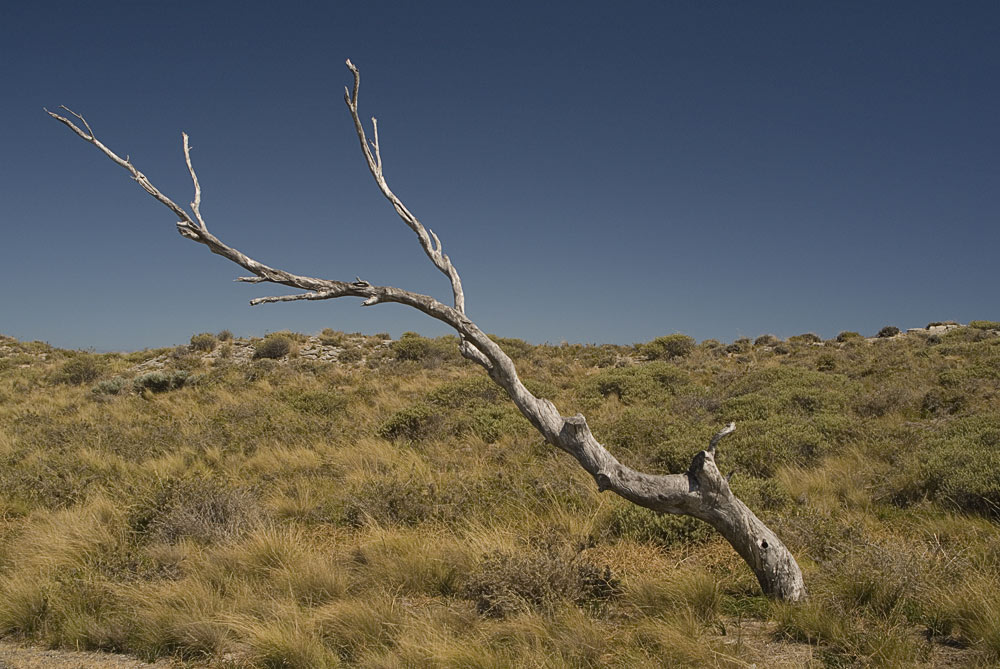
(255,514)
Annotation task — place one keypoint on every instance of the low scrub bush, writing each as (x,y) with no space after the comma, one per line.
(429,352)
(758,448)
(331,337)
(160,382)
(848,335)
(467,392)
(202,510)
(959,467)
(774,391)
(668,347)
(712,347)
(390,501)
(740,345)
(350,355)
(412,423)
(326,403)
(505,584)
(490,423)
(641,431)
(888,331)
(651,382)
(629,521)
(985,325)
(826,363)
(515,348)
(943,402)
(273,347)
(115,386)
(204,342)
(83,368)
(766,340)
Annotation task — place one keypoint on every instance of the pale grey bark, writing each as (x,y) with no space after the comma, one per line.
(701,492)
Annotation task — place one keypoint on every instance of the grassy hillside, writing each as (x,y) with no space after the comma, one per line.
(348,500)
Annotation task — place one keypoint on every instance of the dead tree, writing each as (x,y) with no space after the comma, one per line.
(702,491)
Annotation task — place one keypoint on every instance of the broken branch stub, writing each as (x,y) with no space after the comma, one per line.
(702,492)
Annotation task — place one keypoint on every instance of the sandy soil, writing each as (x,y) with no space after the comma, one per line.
(13,656)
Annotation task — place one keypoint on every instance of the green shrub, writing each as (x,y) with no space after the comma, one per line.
(629,521)
(969,335)
(295,337)
(429,352)
(491,423)
(515,348)
(958,467)
(412,423)
(272,347)
(759,448)
(985,325)
(649,382)
(668,347)
(411,346)
(467,392)
(159,382)
(641,430)
(760,493)
(390,501)
(766,340)
(848,335)
(773,391)
(203,342)
(938,402)
(115,386)
(884,399)
(327,403)
(826,363)
(350,355)
(479,406)
(740,345)
(331,337)
(888,331)
(82,368)
(224,335)
(806,338)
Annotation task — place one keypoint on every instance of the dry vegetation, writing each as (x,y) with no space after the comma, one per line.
(393,509)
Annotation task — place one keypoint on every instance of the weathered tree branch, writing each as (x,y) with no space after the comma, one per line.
(428,240)
(702,492)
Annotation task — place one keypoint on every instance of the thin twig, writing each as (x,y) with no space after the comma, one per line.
(196,203)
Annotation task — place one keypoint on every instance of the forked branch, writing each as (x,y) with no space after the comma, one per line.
(702,491)
(428,240)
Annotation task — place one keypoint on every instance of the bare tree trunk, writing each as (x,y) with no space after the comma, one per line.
(701,492)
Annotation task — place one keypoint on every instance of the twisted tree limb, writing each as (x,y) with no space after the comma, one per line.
(702,491)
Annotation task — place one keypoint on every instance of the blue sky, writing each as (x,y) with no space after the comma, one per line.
(598,172)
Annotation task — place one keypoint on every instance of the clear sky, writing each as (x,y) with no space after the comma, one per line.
(598,172)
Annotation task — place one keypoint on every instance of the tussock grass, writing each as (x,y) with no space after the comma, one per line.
(398,512)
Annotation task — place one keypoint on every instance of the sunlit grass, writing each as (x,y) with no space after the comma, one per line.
(255,513)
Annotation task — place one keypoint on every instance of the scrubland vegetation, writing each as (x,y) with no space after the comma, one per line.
(392,508)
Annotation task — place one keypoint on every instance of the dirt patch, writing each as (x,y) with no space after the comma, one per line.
(14,656)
